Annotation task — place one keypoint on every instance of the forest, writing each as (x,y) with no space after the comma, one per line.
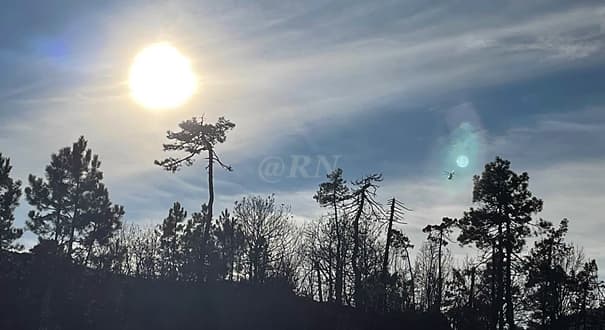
(354,267)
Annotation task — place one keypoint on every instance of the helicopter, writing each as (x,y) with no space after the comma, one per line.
(449,174)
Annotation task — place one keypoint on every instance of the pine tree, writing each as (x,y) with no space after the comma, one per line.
(194,138)
(546,276)
(169,243)
(331,194)
(72,206)
(499,226)
(105,220)
(10,191)
(191,240)
(230,240)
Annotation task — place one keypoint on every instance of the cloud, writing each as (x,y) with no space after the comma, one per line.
(554,138)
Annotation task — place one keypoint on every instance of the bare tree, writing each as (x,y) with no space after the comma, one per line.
(363,203)
(396,213)
(266,228)
(426,270)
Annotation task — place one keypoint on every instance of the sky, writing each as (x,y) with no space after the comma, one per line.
(403,88)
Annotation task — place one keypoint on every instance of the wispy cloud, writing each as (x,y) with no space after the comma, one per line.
(288,72)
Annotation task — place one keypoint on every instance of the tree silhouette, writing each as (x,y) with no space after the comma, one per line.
(196,137)
(10,191)
(466,298)
(72,206)
(363,202)
(230,239)
(319,253)
(439,235)
(396,212)
(331,194)
(427,266)
(191,240)
(547,279)
(105,220)
(264,225)
(343,257)
(402,243)
(142,250)
(500,224)
(169,239)
(586,289)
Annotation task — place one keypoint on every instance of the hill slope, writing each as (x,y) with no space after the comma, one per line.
(36,293)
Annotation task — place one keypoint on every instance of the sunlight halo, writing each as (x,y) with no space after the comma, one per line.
(161,77)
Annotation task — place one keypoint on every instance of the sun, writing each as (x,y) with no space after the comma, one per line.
(161,77)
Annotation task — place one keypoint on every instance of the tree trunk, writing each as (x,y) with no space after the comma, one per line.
(321,298)
(89,248)
(510,314)
(231,254)
(356,271)
(413,286)
(500,280)
(439,275)
(471,296)
(493,293)
(330,273)
(208,220)
(385,261)
(72,230)
(339,256)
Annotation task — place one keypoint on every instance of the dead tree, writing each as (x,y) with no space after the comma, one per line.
(363,203)
(396,213)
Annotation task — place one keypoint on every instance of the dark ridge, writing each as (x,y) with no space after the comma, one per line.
(43,292)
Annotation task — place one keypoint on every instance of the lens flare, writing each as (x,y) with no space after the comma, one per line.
(462,161)
(464,148)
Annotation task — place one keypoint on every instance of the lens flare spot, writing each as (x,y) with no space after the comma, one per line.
(462,161)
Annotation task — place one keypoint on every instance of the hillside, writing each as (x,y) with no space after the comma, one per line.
(37,292)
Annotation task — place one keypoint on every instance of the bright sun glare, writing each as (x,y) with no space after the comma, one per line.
(161,77)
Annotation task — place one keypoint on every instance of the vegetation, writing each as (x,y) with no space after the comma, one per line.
(10,191)
(355,261)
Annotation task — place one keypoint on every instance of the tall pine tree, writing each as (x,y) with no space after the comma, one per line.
(72,206)
(194,138)
(169,243)
(499,226)
(10,191)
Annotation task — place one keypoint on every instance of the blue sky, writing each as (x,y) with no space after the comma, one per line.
(397,87)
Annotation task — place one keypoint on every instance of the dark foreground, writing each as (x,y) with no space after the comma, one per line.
(36,293)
